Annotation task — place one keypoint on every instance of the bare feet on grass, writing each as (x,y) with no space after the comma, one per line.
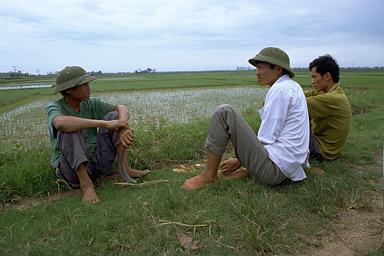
(235,175)
(197,182)
(229,166)
(316,171)
(89,194)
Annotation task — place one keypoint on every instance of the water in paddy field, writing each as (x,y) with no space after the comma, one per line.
(181,106)
(26,125)
(24,86)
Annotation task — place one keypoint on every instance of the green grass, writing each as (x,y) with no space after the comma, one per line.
(240,217)
(230,218)
(10,99)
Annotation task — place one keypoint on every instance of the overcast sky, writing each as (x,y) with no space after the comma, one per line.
(117,35)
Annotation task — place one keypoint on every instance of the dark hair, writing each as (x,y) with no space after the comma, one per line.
(324,64)
(64,93)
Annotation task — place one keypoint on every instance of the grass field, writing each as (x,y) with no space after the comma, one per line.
(239,217)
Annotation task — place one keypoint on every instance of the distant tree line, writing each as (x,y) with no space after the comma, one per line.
(244,68)
(145,71)
(349,69)
(20,74)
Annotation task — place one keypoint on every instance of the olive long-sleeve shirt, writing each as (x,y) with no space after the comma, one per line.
(331,120)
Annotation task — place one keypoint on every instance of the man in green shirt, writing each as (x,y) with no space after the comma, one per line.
(329,110)
(86,134)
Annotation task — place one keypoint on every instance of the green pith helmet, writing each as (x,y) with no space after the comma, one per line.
(71,76)
(274,56)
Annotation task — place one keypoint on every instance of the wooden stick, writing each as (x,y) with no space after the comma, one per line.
(166,222)
(218,240)
(145,183)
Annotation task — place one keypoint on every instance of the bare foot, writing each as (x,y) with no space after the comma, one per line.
(133,173)
(238,174)
(229,166)
(225,173)
(89,194)
(197,182)
(316,171)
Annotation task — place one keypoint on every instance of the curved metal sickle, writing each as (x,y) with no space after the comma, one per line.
(122,172)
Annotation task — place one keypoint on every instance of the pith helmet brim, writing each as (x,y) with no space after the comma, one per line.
(274,56)
(72,76)
(72,83)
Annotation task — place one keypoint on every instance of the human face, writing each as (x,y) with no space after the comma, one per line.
(267,75)
(320,82)
(80,92)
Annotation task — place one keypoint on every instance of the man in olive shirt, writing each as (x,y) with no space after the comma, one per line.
(329,110)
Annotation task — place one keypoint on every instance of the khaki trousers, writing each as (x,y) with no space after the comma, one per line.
(227,125)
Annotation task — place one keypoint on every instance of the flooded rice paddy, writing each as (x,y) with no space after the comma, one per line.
(26,125)
(24,86)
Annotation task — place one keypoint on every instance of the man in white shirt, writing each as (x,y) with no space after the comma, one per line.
(280,149)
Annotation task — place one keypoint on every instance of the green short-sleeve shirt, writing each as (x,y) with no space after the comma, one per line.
(93,108)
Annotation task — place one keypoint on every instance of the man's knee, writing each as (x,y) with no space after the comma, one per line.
(71,145)
(223,110)
(111,116)
(69,138)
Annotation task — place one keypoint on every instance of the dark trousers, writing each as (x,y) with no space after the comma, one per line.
(73,153)
(314,150)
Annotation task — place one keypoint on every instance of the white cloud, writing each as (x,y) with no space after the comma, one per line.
(170,34)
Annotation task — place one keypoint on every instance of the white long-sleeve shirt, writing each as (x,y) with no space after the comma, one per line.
(284,129)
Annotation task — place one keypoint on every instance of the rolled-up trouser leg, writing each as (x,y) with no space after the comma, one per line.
(227,125)
(105,151)
(72,155)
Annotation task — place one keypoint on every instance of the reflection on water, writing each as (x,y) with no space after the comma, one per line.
(26,125)
(25,86)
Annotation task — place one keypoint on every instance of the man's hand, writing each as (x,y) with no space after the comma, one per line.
(230,165)
(125,133)
(126,137)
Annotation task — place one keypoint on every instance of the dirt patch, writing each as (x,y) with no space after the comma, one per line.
(32,202)
(358,233)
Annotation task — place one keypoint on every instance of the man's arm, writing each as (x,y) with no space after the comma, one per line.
(74,123)
(312,93)
(318,106)
(274,117)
